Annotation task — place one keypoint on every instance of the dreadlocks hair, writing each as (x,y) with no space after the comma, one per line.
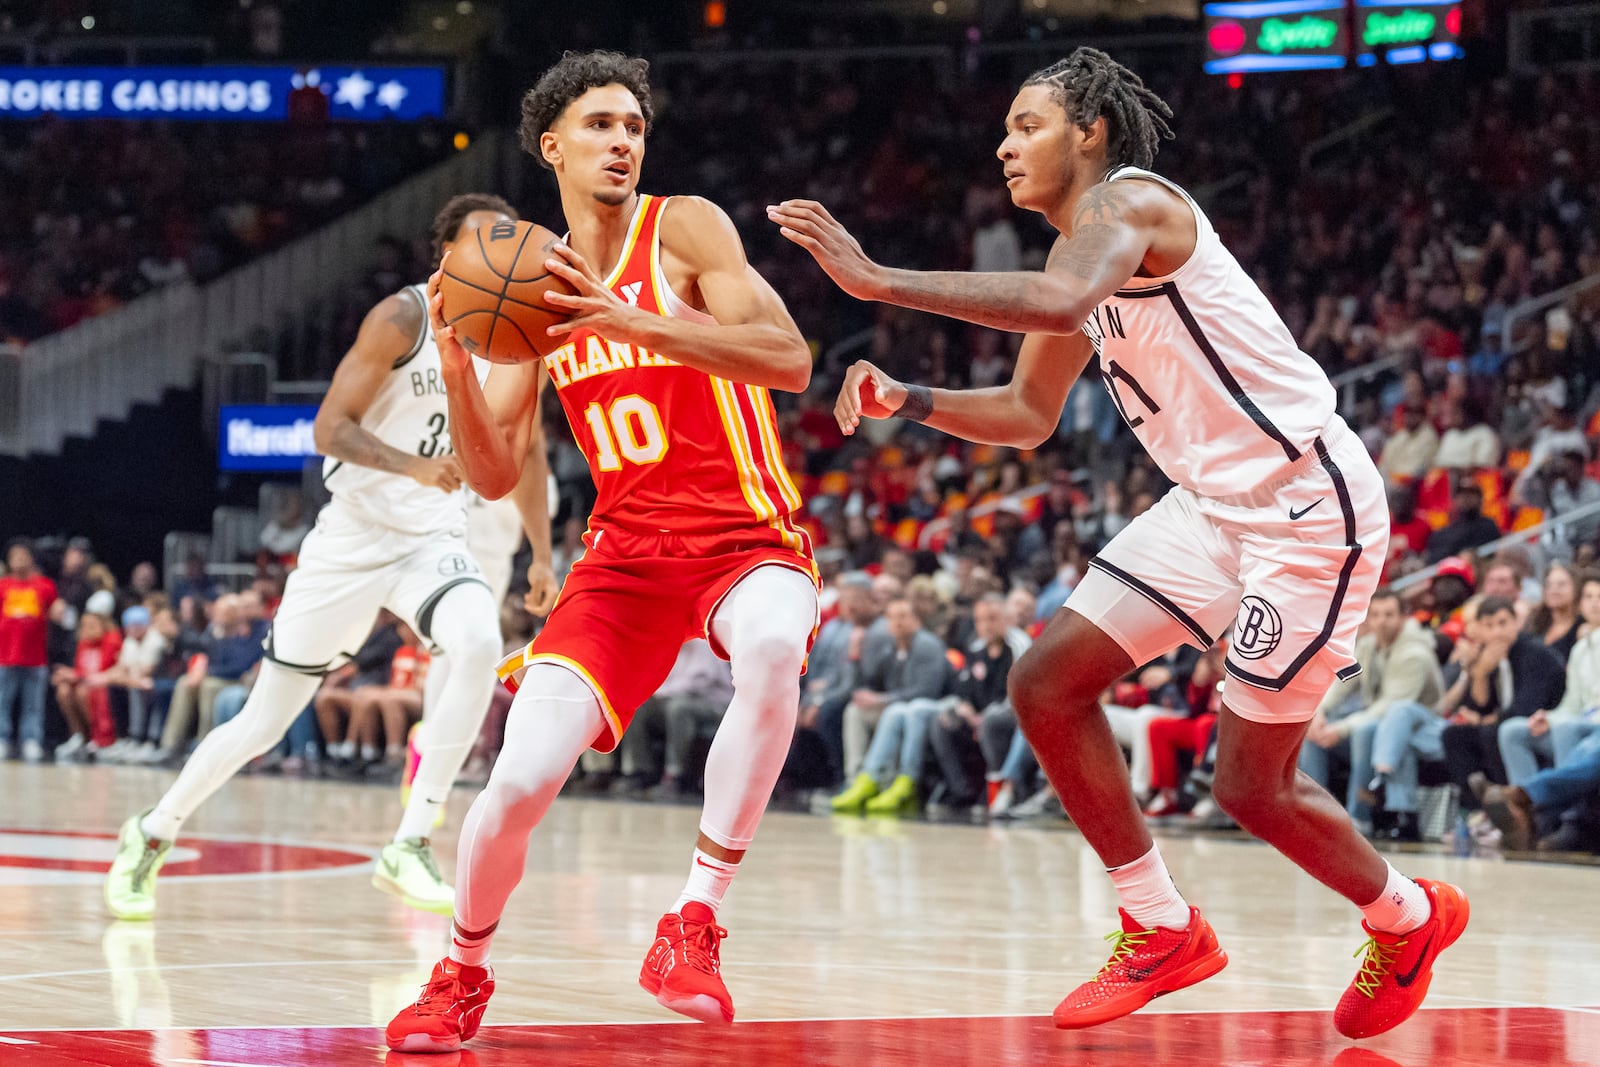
(574,75)
(447,223)
(1089,85)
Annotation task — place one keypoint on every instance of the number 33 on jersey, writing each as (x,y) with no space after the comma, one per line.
(670,447)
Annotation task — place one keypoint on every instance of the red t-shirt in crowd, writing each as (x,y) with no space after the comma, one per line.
(1415,534)
(25,620)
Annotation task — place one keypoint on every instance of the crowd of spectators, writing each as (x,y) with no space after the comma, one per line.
(1402,252)
(96,213)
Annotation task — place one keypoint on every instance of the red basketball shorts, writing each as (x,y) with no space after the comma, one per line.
(631,602)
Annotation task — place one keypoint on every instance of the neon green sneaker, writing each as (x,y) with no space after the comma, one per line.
(863,789)
(131,882)
(406,869)
(899,799)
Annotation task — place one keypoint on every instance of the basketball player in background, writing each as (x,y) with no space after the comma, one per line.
(664,376)
(393,536)
(1277,525)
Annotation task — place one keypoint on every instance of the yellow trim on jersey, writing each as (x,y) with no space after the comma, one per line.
(755,494)
(518,661)
(634,225)
(761,401)
(750,481)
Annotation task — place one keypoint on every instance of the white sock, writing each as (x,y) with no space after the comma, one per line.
(469,950)
(1148,893)
(342,750)
(161,824)
(369,753)
(421,811)
(1401,907)
(709,879)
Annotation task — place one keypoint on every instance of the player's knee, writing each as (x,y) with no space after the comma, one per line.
(768,662)
(1040,689)
(467,629)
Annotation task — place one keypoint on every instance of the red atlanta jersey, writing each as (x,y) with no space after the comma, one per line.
(672,449)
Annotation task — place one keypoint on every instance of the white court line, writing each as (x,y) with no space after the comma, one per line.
(15,1041)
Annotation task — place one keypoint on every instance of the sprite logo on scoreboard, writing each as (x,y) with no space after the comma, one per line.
(1276,35)
(1407,31)
(1307,34)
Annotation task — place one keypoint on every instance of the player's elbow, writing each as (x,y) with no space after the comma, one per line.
(793,366)
(1033,435)
(324,429)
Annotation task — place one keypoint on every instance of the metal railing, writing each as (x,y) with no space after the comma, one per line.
(1516,537)
(1518,312)
(63,385)
(1345,383)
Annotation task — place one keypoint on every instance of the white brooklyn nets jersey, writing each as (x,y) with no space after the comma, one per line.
(1204,370)
(409,412)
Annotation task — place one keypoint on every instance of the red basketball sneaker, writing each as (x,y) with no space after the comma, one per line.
(448,1012)
(683,971)
(1144,964)
(1395,974)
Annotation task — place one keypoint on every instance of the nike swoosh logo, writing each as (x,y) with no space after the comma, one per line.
(1296,516)
(1403,980)
(390,866)
(1139,974)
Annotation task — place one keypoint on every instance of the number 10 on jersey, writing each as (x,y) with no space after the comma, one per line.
(631,430)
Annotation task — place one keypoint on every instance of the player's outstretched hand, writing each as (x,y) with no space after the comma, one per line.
(542,588)
(867,393)
(441,472)
(592,306)
(451,353)
(808,224)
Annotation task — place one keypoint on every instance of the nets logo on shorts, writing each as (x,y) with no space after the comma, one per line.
(451,566)
(1258,630)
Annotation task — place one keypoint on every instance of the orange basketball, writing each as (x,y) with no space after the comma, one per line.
(493,289)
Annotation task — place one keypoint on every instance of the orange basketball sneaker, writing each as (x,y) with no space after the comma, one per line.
(683,970)
(448,1012)
(1395,974)
(1144,964)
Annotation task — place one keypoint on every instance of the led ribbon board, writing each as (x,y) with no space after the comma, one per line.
(1407,31)
(219,94)
(265,437)
(1276,35)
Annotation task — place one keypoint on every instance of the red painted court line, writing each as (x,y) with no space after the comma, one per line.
(1468,1037)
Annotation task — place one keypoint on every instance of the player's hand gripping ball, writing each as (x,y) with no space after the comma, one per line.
(492,290)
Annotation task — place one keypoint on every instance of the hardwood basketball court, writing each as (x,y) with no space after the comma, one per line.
(852,942)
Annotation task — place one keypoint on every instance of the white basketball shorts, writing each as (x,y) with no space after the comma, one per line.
(348,570)
(1288,568)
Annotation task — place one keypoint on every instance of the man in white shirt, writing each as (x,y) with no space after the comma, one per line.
(1408,454)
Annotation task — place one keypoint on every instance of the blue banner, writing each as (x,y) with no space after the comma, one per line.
(265,437)
(248,94)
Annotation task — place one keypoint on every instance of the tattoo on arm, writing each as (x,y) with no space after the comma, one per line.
(918,405)
(352,444)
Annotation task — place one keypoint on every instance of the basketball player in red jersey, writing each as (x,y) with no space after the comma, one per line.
(668,357)
(1275,530)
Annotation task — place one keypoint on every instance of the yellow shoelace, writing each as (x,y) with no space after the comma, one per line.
(1380,960)
(1123,946)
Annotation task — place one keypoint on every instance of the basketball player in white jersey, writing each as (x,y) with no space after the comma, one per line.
(393,536)
(1276,529)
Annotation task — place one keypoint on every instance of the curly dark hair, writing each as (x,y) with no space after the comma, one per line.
(576,74)
(1089,85)
(447,223)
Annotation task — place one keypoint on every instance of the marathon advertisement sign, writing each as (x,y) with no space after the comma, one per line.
(213,94)
(265,437)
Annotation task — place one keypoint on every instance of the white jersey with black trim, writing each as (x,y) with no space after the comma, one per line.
(409,411)
(1204,370)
